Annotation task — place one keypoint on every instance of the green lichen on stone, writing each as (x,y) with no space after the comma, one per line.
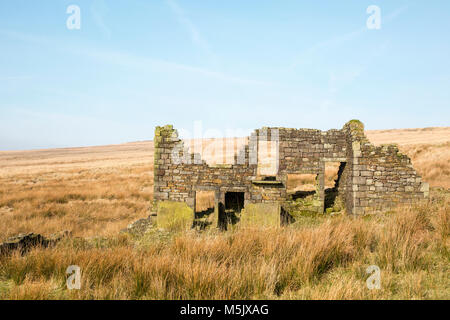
(303,214)
(303,205)
(389,147)
(162,135)
(261,215)
(355,127)
(356,130)
(156,150)
(174,216)
(310,201)
(355,124)
(221,166)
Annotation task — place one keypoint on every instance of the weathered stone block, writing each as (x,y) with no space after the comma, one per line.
(174,216)
(261,214)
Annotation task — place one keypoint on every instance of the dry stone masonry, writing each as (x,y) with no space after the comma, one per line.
(370,178)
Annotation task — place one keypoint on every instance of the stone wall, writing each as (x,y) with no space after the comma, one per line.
(178,176)
(370,178)
(381,176)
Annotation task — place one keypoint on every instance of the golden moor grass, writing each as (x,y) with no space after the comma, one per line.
(89,191)
(325,261)
(404,137)
(97,191)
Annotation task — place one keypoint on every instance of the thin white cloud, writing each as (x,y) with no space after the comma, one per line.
(397,12)
(98,11)
(326,44)
(191,28)
(25,37)
(129,60)
(343,78)
(139,62)
(16,78)
(343,38)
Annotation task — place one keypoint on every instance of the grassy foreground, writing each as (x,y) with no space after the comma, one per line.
(95,192)
(316,258)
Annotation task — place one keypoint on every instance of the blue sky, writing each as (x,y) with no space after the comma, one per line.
(230,64)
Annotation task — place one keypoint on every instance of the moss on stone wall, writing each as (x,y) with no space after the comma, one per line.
(355,125)
(174,216)
(356,130)
(261,214)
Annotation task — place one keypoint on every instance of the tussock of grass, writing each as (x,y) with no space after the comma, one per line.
(323,261)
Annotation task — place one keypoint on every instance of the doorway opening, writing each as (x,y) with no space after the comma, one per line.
(333,178)
(234,201)
(229,212)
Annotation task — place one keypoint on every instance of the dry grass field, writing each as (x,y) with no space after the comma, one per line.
(95,192)
(90,191)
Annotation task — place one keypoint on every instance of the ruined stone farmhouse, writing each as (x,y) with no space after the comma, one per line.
(253,188)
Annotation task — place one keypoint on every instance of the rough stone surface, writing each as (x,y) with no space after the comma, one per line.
(140,226)
(261,214)
(24,242)
(174,216)
(370,178)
